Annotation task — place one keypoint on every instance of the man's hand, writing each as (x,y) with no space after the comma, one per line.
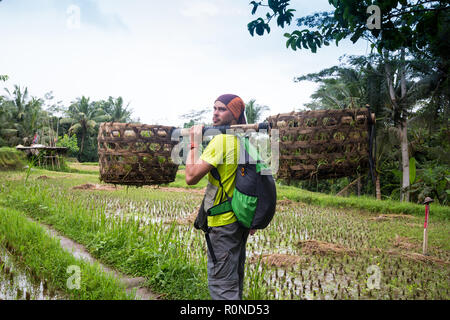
(252,231)
(196,134)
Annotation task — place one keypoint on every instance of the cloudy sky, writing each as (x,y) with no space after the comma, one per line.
(165,58)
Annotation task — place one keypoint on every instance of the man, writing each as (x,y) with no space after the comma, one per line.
(227,239)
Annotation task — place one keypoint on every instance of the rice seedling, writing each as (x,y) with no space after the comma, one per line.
(146,232)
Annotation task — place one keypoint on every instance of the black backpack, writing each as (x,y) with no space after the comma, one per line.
(255,196)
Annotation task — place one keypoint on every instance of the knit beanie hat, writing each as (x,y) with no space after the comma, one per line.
(235,105)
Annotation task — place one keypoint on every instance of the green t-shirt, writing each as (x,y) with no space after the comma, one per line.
(222,153)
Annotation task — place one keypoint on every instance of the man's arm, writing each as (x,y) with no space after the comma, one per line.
(196,168)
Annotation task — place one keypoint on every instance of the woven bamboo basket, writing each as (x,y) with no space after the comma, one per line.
(136,154)
(323,143)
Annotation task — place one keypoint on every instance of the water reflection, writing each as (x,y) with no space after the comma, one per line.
(16,284)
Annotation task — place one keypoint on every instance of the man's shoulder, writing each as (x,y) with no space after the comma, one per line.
(230,140)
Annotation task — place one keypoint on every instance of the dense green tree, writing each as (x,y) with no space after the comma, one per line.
(21,116)
(412,24)
(406,28)
(83,115)
(342,86)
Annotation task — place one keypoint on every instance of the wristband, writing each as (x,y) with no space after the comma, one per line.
(193,145)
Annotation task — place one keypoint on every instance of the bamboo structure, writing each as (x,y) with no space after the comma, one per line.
(323,143)
(135,154)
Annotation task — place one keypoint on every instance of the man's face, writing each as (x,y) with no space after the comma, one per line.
(222,116)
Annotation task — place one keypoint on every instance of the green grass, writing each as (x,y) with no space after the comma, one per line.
(46,260)
(151,252)
(364,203)
(180,182)
(11,159)
(132,230)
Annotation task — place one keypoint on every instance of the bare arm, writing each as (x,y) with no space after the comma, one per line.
(196,168)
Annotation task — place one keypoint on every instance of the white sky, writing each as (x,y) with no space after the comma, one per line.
(163,57)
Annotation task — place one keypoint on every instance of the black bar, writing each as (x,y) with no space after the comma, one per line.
(223,129)
(176,133)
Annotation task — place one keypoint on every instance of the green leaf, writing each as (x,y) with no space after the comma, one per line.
(288,42)
(397,173)
(260,26)
(298,43)
(311,44)
(255,6)
(280,21)
(293,45)
(440,186)
(339,37)
(304,44)
(251,28)
(357,35)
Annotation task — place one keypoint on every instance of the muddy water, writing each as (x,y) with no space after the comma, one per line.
(16,284)
(132,284)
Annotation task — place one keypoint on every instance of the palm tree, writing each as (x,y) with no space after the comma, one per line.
(83,116)
(115,109)
(387,83)
(342,87)
(6,122)
(20,115)
(409,80)
(18,100)
(254,111)
(33,119)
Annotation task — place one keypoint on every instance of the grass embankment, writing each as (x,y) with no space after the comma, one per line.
(82,167)
(364,203)
(148,251)
(43,256)
(11,159)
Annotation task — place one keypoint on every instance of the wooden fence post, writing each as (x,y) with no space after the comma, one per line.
(427,201)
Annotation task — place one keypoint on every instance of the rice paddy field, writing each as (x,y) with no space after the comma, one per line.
(315,248)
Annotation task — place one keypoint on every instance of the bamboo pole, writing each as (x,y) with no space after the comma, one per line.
(344,190)
(427,202)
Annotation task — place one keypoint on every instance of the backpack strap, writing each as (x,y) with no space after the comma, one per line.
(221,208)
(210,248)
(216,175)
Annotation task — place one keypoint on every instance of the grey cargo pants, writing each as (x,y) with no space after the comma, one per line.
(226,276)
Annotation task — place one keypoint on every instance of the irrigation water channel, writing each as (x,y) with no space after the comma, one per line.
(16,283)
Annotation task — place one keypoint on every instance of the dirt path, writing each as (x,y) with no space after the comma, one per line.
(80,252)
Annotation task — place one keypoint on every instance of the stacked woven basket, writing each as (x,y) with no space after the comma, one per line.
(136,154)
(326,143)
(321,143)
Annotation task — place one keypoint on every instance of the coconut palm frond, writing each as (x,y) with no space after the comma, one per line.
(75,128)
